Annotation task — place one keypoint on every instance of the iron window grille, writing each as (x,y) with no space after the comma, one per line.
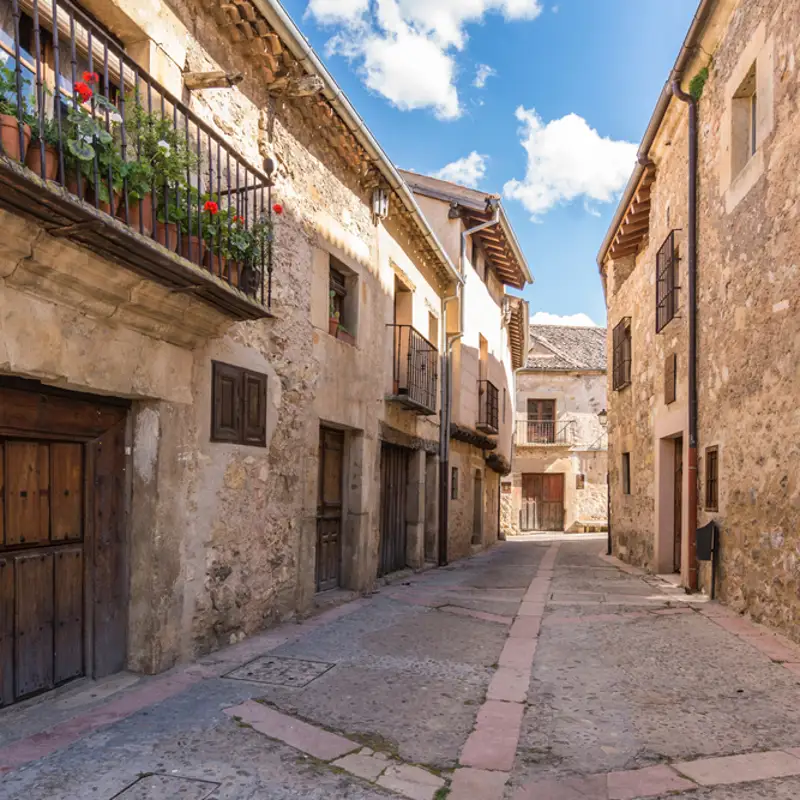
(415,369)
(670,378)
(454,483)
(667,282)
(712,479)
(626,473)
(622,354)
(488,407)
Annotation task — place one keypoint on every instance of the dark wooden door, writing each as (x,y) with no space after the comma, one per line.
(394,494)
(62,556)
(678,509)
(542,502)
(329,509)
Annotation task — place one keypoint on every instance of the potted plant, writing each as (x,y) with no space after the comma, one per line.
(10,120)
(44,130)
(193,222)
(137,178)
(169,214)
(333,316)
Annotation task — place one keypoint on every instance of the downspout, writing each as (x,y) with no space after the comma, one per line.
(692,299)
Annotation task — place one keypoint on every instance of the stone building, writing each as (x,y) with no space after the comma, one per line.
(487,339)
(704,342)
(558,481)
(221,337)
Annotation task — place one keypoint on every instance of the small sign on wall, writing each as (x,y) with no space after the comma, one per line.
(505,488)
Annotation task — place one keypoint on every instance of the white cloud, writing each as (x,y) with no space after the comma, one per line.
(482,74)
(406,49)
(467,171)
(568,159)
(575,320)
(554,9)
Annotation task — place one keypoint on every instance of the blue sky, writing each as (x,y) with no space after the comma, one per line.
(574,80)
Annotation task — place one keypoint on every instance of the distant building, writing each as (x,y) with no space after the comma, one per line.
(558,481)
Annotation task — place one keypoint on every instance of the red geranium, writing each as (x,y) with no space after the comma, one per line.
(240,220)
(84,91)
(91,77)
(211,207)
(277,208)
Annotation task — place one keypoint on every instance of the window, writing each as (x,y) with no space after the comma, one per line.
(580,481)
(238,405)
(343,292)
(744,136)
(622,354)
(670,378)
(626,473)
(454,483)
(712,479)
(505,403)
(338,289)
(666,282)
(433,329)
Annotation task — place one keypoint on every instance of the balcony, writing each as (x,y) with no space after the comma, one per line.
(415,370)
(535,433)
(96,152)
(488,407)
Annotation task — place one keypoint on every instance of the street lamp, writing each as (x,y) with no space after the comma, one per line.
(602,418)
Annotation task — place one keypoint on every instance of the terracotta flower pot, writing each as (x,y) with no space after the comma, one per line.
(198,248)
(104,206)
(227,269)
(333,326)
(33,161)
(9,135)
(142,212)
(162,229)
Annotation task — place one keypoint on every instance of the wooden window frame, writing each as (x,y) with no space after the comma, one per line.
(622,340)
(712,479)
(667,260)
(626,473)
(248,406)
(454,483)
(670,378)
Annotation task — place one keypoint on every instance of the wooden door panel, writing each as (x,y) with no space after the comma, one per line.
(329,509)
(66,503)
(394,491)
(542,501)
(110,571)
(27,493)
(68,660)
(2,506)
(34,623)
(6,631)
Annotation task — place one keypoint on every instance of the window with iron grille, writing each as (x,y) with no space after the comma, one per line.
(712,479)
(454,483)
(670,378)
(626,473)
(666,282)
(622,354)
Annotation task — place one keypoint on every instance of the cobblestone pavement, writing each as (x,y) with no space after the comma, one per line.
(540,670)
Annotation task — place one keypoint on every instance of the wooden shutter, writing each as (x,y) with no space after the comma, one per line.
(255,409)
(670,378)
(226,402)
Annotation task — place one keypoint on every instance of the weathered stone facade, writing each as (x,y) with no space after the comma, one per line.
(223,537)
(565,370)
(748,321)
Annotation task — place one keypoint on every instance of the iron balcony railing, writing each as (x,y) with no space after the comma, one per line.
(542,432)
(415,369)
(488,407)
(77,112)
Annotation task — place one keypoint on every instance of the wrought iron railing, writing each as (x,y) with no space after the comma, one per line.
(535,432)
(415,368)
(488,407)
(78,112)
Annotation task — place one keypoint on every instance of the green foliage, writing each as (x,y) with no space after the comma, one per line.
(697,84)
(8,94)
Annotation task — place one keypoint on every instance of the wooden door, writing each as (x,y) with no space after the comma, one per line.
(541,421)
(329,509)
(394,494)
(542,502)
(62,578)
(678,507)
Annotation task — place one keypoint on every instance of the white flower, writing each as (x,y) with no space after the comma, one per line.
(115,117)
(164,146)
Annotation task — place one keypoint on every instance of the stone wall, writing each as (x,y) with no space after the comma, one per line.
(748,322)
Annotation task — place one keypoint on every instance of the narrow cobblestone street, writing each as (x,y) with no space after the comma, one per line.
(539,670)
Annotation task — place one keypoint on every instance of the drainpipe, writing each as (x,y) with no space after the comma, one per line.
(692,292)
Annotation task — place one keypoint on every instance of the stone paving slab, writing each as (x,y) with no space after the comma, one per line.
(647,782)
(493,743)
(412,782)
(518,654)
(477,784)
(741,768)
(525,627)
(365,764)
(167,787)
(300,735)
(509,685)
(594,787)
